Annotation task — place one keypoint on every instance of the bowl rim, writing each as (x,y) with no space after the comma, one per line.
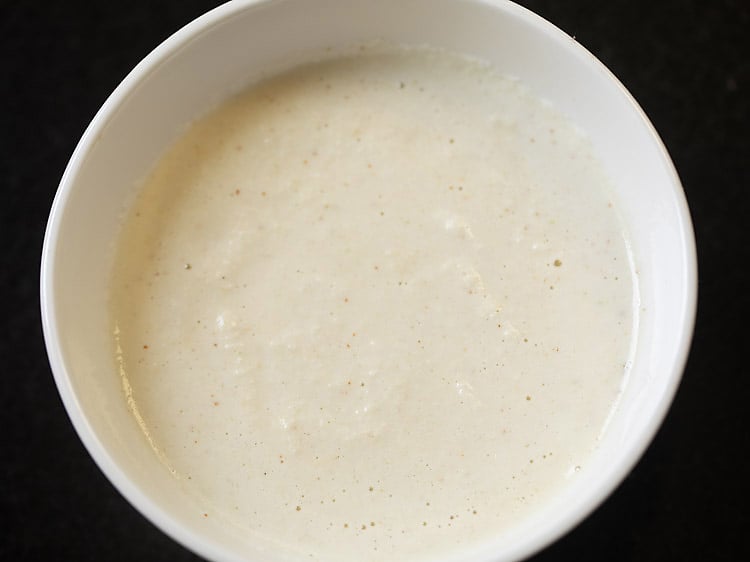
(211,549)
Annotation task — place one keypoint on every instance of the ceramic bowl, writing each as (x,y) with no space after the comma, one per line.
(238,43)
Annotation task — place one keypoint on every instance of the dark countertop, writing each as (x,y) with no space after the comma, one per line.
(686,62)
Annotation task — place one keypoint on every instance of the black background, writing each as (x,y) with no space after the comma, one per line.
(688,65)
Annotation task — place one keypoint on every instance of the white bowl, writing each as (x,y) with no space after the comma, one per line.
(238,43)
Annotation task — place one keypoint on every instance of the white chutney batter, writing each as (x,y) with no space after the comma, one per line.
(377,308)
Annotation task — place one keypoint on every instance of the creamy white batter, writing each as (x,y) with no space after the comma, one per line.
(375,309)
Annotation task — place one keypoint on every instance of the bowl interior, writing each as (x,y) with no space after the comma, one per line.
(240,43)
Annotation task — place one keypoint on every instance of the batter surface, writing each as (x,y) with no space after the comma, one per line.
(376,308)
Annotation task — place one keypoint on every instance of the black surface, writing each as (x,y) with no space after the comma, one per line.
(686,62)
